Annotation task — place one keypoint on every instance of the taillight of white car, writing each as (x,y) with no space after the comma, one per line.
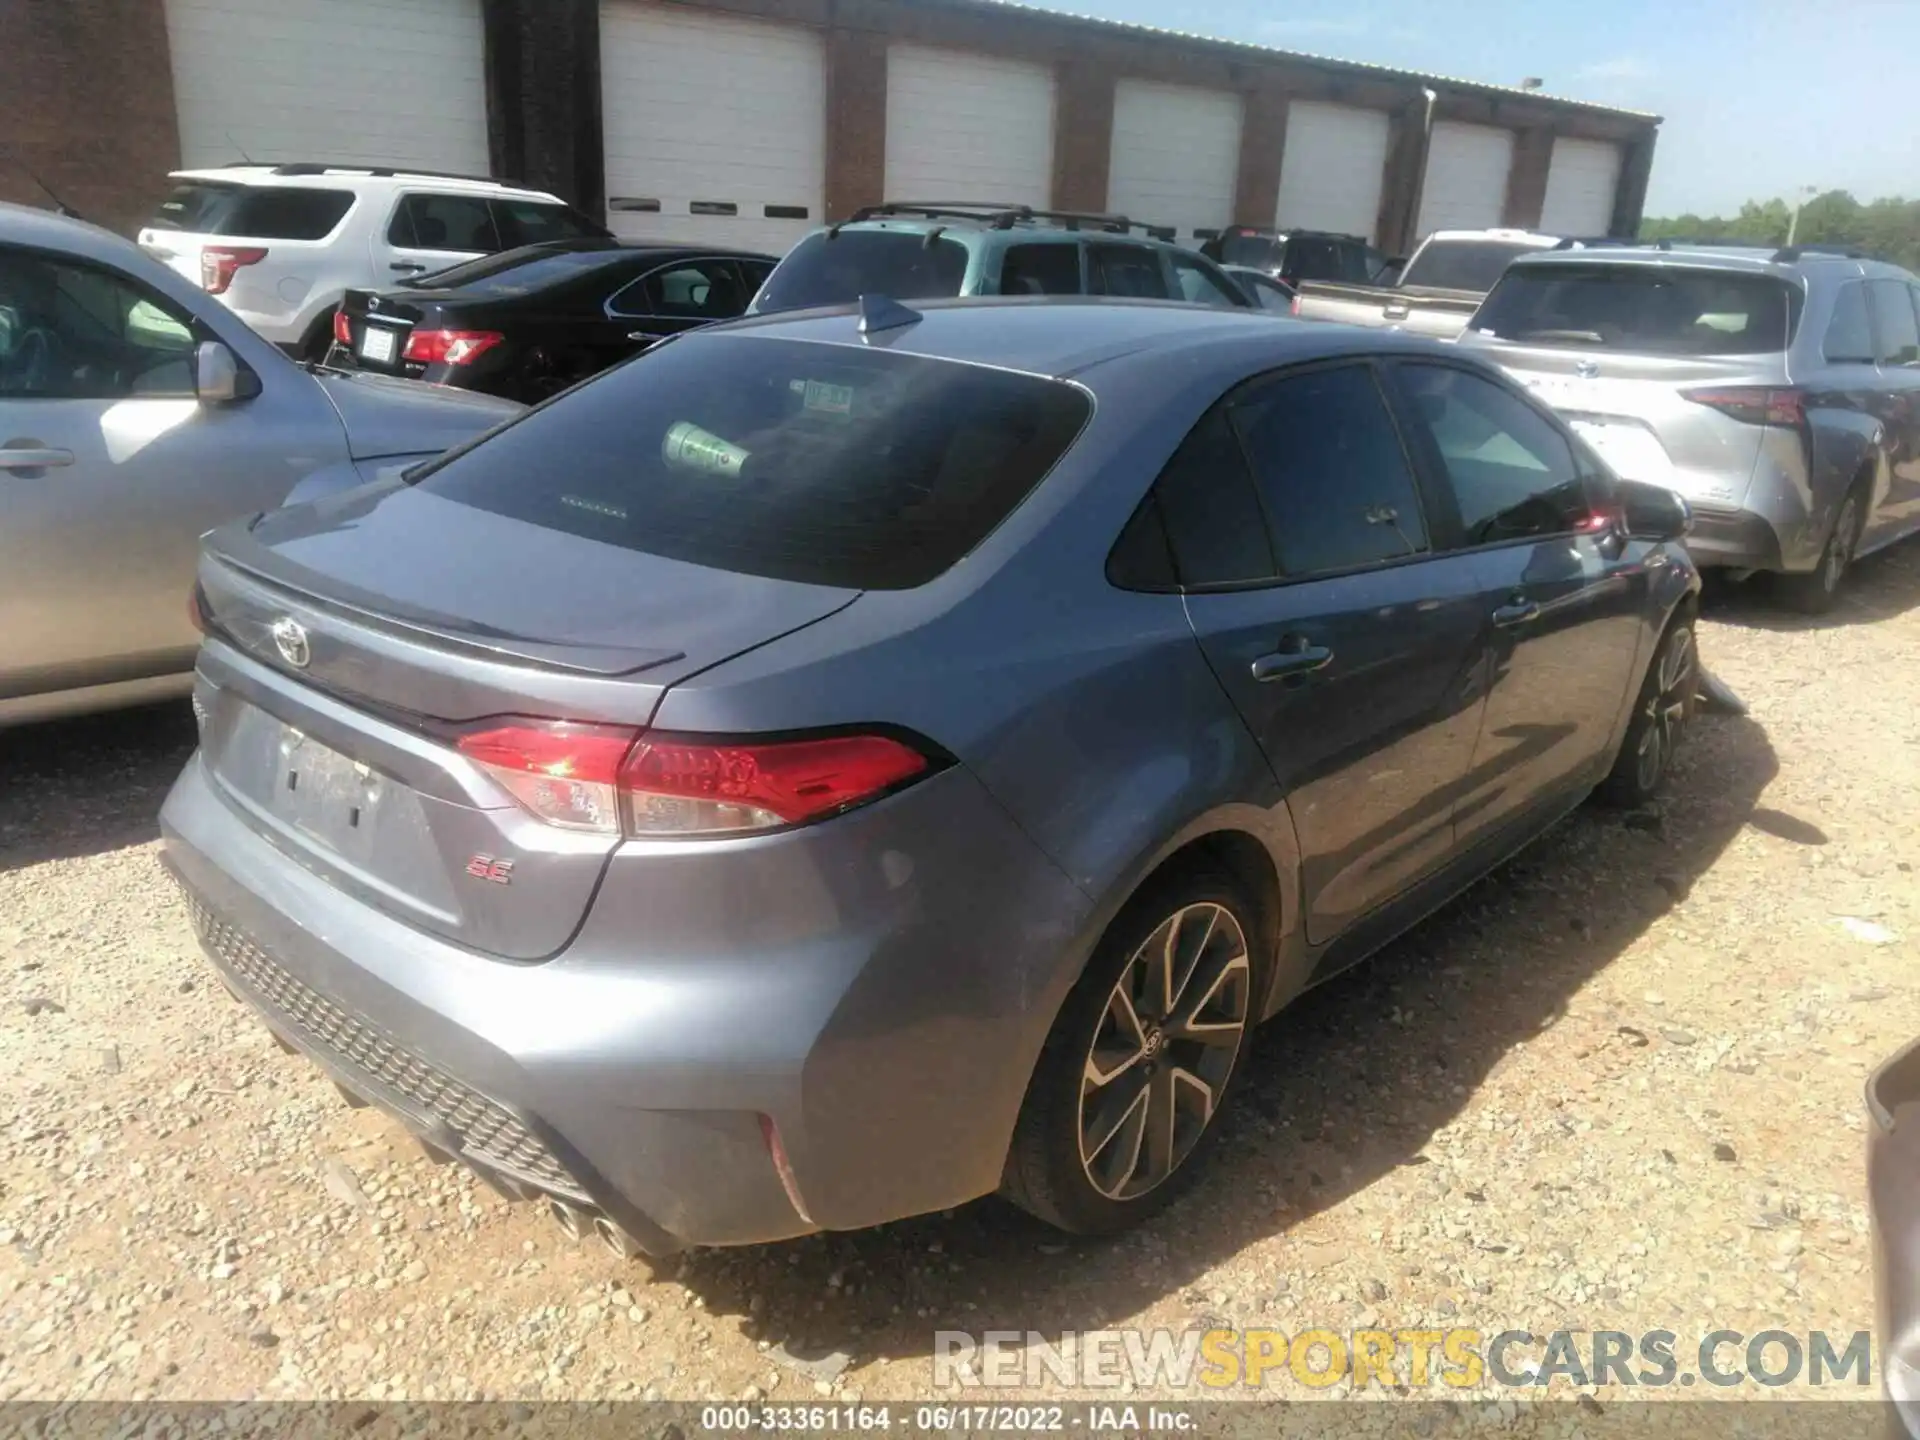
(219,264)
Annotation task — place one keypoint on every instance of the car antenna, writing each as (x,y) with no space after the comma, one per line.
(60,206)
(879,314)
(245,158)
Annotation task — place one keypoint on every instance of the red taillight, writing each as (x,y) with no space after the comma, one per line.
(450,347)
(197,610)
(342,327)
(596,777)
(1293,306)
(1755,404)
(219,262)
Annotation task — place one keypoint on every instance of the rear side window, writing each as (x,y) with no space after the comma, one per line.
(1212,516)
(864,469)
(691,290)
(1330,471)
(1126,270)
(1893,320)
(444,222)
(1849,339)
(1256,251)
(1461,264)
(1040,270)
(262,213)
(826,269)
(1653,310)
(528,222)
(1202,284)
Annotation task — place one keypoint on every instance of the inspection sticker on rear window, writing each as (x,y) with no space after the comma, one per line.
(823,397)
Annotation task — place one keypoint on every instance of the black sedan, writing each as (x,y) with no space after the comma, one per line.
(528,322)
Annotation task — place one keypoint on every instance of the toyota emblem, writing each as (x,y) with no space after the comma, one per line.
(290,639)
(1586,369)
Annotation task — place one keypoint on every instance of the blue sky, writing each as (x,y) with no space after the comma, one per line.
(1760,96)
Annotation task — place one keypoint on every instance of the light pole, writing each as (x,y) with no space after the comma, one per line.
(1801,194)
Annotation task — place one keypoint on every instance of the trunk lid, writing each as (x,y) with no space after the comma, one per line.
(1633,411)
(392,416)
(341,678)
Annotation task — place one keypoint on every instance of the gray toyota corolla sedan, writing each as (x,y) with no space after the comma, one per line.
(840,765)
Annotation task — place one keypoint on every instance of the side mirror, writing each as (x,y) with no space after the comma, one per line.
(1654,512)
(218,376)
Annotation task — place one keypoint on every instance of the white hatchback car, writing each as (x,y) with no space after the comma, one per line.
(280,244)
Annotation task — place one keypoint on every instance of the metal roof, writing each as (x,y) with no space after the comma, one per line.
(1247,47)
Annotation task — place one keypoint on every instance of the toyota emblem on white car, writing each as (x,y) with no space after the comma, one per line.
(290,639)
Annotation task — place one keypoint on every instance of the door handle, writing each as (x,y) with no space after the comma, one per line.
(1297,660)
(641,336)
(1395,310)
(406,267)
(1517,611)
(30,455)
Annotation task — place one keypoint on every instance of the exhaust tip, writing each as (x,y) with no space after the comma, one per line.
(566,1217)
(616,1239)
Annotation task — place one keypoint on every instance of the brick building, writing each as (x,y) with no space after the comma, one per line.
(750,120)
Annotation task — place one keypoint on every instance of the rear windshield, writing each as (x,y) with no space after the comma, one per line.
(826,269)
(256,212)
(1462,264)
(814,463)
(1254,250)
(518,272)
(1662,311)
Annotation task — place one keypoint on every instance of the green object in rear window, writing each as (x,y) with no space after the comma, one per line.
(688,447)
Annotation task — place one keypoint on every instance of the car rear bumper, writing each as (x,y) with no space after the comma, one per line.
(850,987)
(1734,539)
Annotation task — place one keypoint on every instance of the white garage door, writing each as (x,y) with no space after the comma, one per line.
(715,127)
(1334,166)
(1176,153)
(968,127)
(374,82)
(1466,186)
(1581,179)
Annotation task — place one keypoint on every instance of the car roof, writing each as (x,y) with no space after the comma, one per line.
(1508,237)
(1019,231)
(334,177)
(46,230)
(1062,336)
(1732,258)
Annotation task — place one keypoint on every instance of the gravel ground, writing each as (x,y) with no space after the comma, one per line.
(1616,1086)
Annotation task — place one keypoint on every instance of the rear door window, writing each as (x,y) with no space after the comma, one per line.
(1313,258)
(1040,270)
(829,269)
(1512,473)
(1330,470)
(1661,310)
(1894,325)
(1131,271)
(823,464)
(1849,339)
(685,290)
(444,222)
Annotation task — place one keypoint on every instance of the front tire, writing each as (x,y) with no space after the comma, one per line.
(1666,703)
(1142,1060)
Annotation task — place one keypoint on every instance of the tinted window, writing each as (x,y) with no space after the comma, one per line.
(443,222)
(528,222)
(1664,311)
(1461,264)
(1894,321)
(1312,258)
(1270,294)
(521,272)
(73,332)
(816,463)
(826,269)
(1512,473)
(1201,284)
(1213,521)
(689,290)
(265,213)
(1040,270)
(1330,471)
(755,272)
(1125,270)
(1849,338)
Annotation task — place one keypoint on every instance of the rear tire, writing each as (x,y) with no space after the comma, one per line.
(1667,699)
(1125,1101)
(1814,592)
(317,343)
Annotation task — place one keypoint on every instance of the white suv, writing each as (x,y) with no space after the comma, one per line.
(280,244)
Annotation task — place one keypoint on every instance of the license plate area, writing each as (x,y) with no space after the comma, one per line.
(325,795)
(379,345)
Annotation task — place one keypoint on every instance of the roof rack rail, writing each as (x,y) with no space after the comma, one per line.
(1005,217)
(384,172)
(1602,242)
(1787,254)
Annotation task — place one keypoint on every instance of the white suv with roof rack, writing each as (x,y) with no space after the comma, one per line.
(280,244)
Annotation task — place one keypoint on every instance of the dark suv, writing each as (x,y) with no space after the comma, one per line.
(1296,255)
(909,251)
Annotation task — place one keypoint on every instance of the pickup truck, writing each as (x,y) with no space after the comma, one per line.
(1437,292)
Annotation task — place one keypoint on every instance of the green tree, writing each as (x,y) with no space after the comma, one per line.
(1889,229)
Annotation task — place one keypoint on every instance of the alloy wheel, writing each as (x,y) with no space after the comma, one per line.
(1666,706)
(1163,1050)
